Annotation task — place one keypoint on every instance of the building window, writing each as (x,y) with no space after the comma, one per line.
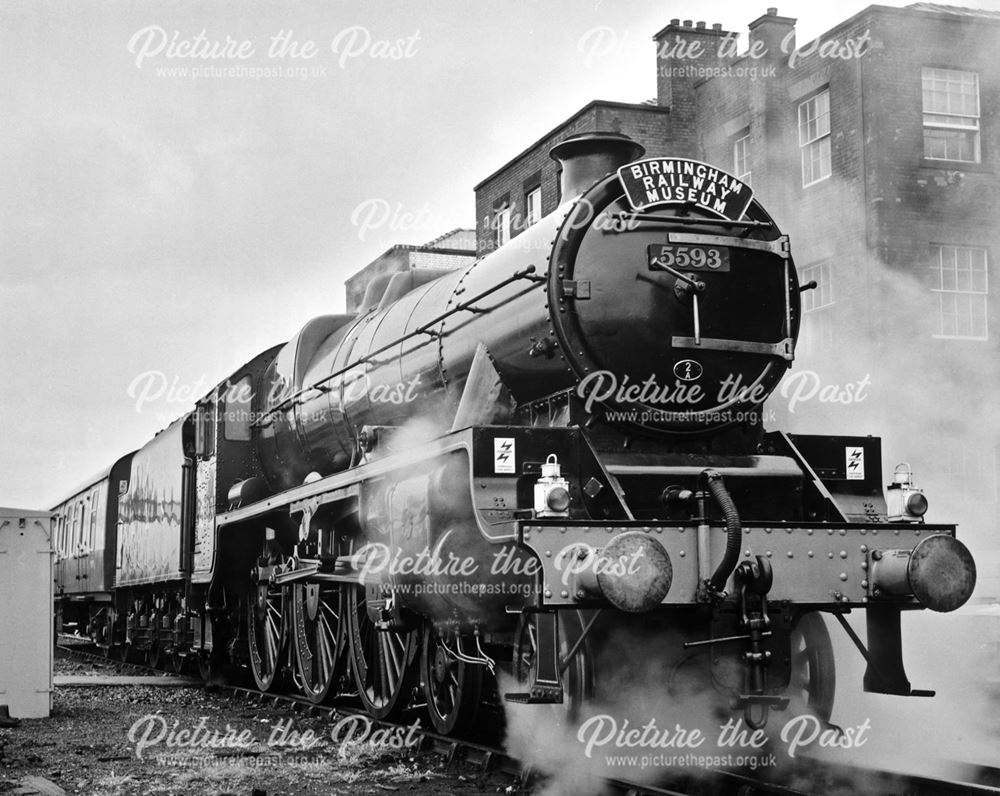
(814,138)
(533,206)
(959,279)
(817,315)
(741,158)
(951,115)
(501,225)
(970,465)
(822,295)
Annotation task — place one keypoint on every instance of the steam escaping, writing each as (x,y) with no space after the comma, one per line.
(656,714)
(869,362)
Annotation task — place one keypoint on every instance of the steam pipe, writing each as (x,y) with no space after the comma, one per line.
(734,531)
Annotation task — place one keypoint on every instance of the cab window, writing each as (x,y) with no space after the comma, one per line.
(205,430)
(237,414)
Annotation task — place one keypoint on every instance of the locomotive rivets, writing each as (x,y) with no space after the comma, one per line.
(810,554)
(809,531)
(896,532)
(548,592)
(768,553)
(843,576)
(830,554)
(864,565)
(864,548)
(791,554)
(767,530)
(829,531)
(863,531)
(564,593)
(864,584)
(843,532)
(548,554)
(843,554)
(746,553)
(682,554)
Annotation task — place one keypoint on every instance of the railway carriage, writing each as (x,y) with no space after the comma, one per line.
(85,540)
(498,466)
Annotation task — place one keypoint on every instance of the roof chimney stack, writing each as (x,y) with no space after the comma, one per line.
(768,33)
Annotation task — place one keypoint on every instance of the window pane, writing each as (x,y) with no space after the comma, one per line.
(960,278)
(237,420)
(814,138)
(951,114)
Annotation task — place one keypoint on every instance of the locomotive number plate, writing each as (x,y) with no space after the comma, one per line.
(688,257)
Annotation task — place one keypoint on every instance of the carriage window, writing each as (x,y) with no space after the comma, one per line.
(95,498)
(74,539)
(237,417)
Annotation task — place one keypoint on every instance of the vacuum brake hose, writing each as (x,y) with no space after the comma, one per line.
(734,531)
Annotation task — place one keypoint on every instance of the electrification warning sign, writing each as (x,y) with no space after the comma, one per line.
(854,466)
(503,455)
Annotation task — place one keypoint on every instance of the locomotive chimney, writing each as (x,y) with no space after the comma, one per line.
(587,157)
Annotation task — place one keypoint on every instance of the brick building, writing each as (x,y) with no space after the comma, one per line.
(451,250)
(527,187)
(876,147)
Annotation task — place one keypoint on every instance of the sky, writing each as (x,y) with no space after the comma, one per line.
(162,223)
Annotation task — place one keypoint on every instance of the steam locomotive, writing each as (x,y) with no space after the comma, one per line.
(490,467)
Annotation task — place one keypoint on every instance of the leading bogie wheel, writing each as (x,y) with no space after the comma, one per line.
(813,679)
(452,687)
(577,672)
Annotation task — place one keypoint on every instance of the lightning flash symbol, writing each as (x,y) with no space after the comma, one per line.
(855,460)
(505,452)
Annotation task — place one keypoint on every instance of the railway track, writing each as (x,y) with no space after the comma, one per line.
(809,777)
